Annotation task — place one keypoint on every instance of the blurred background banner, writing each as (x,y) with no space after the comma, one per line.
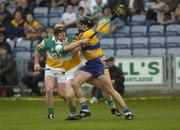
(142,70)
(177,67)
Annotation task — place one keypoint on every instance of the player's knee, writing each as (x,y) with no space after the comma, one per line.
(70,95)
(74,84)
(49,91)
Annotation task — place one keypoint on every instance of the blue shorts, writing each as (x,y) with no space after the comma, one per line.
(95,67)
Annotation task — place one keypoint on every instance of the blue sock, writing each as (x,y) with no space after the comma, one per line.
(126,110)
(84,106)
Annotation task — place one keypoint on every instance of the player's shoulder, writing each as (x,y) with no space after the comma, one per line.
(88,32)
(49,40)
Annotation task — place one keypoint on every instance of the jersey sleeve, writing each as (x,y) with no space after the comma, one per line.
(41,46)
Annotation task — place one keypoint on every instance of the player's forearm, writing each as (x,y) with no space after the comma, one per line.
(37,57)
(72,46)
(67,48)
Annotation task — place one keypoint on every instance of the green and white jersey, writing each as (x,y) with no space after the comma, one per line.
(48,45)
(54,56)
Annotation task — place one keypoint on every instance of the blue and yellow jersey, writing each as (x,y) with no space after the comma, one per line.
(92,50)
(101,22)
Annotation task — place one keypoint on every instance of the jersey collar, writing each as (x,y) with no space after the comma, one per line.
(56,41)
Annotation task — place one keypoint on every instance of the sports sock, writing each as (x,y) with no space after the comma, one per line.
(83,103)
(51,110)
(72,110)
(111,104)
(126,110)
(84,106)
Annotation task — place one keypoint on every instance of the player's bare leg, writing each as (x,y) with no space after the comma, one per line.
(108,97)
(80,78)
(71,103)
(61,90)
(49,86)
(106,85)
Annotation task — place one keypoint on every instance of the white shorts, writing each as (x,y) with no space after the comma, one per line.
(56,73)
(70,74)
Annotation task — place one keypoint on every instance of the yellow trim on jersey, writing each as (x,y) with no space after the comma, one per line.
(53,62)
(71,63)
(106,71)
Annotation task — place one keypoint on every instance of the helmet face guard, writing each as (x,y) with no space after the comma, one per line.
(59,30)
(85,22)
(81,26)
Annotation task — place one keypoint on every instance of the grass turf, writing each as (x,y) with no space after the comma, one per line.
(150,114)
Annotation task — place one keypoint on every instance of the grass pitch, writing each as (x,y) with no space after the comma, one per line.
(150,114)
